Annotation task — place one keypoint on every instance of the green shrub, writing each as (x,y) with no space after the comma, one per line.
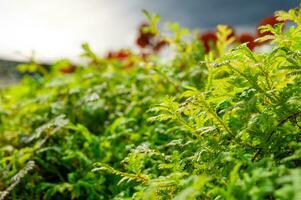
(224,125)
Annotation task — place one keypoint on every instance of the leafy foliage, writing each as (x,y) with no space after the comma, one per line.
(222,125)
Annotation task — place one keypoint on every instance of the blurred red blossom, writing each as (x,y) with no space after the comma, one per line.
(208,38)
(149,40)
(272,20)
(119,55)
(247,37)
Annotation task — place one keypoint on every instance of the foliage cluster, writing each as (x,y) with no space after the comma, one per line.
(222,125)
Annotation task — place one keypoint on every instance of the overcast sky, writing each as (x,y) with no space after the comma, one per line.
(56,28)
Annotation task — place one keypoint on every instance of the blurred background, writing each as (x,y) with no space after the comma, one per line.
(56,28)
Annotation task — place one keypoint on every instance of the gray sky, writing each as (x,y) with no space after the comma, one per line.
(56,28)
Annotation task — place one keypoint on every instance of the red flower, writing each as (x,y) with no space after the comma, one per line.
(120,55)
(159,45)
(247,37)
(144,39)
(208,38)
(267,21)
